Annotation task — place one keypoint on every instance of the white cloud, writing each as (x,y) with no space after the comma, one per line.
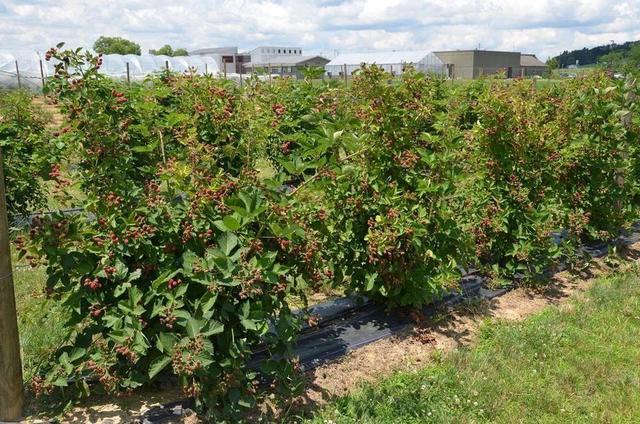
(545,27)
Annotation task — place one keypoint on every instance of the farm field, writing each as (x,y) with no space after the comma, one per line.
(567,364)
(208,213)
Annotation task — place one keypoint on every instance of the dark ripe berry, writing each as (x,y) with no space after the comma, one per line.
(95,310)
(92,284)
(174,283)
(286,147)
(55,171)
(278,109)
(284,243)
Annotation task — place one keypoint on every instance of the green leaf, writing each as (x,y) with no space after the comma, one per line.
(76,353)
(231,223)
(371,281)
(164,277)
(212,327)
(134,275)
(145,149)
(121,289)
(227,242)
(158,365)
(193,326)
(166,341)
(249,324)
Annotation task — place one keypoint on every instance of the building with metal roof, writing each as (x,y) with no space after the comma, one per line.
(531,65)
(286,66)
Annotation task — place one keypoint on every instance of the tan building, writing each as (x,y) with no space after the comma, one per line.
(470,64)
(531,65)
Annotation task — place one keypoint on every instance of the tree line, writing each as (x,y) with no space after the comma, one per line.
(119,45)
(612,55)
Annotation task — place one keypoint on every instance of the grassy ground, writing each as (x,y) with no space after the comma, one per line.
(575,364)
(39,319)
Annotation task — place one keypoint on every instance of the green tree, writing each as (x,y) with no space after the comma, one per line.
(167,50)
(180,52)
(313,72)
(634,56)
(612,60)
(116,45)
(553,63)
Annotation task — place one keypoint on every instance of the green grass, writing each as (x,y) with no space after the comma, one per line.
(40,320)
(575,365)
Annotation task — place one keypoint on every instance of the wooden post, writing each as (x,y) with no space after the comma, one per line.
(269,70)
(345,74)
(128,74)
(166,65)
(11,396)
(42,75)
(18,74)
(241,69)
(206,69)
(224,65)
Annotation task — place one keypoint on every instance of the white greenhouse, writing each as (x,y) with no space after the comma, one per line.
(31,67)
(393,62)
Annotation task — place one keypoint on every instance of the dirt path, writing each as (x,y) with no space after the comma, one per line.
(449,330)
(51,109)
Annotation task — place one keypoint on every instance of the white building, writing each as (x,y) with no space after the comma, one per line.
(393,62)
(265,54)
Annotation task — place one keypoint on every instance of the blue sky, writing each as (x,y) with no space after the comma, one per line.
(544,27)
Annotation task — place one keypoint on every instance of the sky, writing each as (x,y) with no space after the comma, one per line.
(543,27)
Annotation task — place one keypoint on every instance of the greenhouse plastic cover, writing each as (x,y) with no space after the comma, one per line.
(113,65)
(422,60)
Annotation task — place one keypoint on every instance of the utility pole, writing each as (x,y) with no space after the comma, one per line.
(11,396)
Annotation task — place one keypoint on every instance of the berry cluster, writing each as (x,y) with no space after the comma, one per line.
(96,311)
(168,319)
(173,283)
(129,354)
(92,284)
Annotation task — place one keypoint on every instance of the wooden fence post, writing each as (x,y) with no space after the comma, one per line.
(11,396)
(18,74)
(42,75)
(166,65)
(128,74)
(345,75)
(206,69)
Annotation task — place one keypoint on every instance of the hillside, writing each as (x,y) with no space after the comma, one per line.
(590,56)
